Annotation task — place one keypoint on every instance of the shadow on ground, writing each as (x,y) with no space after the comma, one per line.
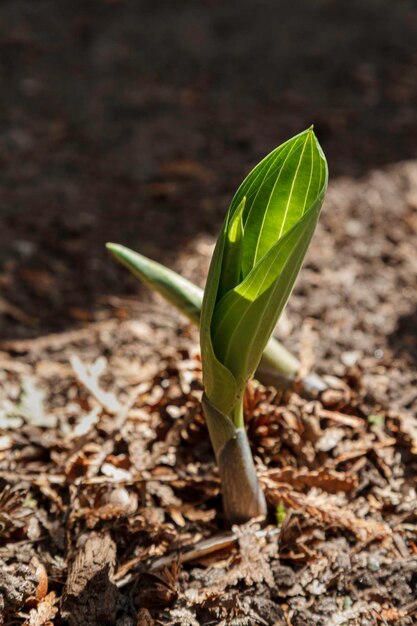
(404,339)
(135,121)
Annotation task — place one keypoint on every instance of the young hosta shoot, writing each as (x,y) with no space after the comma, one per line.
(255,263)
(277,366)
(257,257)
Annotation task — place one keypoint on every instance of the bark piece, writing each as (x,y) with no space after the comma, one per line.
(17,584)
(90,597)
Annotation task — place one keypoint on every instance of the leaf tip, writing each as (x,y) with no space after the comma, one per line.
(118,251)
(113,247)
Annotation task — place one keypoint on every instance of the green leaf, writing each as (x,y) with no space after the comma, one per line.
(277,192)
(280,514)
(376,420)
(219,382)
(279,204)
(233,251)
(246,316)
(182,293)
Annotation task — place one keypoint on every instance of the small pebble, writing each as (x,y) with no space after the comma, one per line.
(373,563)
(350,358)
(121,498)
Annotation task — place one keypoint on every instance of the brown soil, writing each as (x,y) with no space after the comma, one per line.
(134,122)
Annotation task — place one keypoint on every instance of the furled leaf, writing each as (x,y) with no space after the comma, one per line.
(182,293)
(233,251)
(246,316)
(219,382)
(282,199)
(278,191)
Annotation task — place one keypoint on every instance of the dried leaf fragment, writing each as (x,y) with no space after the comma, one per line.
(44,613)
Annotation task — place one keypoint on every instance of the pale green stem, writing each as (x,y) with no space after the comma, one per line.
(243,497)
(238,417)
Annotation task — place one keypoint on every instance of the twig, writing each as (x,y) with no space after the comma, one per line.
(61,479)
(200,550)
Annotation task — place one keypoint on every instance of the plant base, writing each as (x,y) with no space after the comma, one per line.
(243,498)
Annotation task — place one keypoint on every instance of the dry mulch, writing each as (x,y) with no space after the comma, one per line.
(110,510)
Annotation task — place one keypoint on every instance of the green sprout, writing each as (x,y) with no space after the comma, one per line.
(280,514)
(376,420)
(258,254)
